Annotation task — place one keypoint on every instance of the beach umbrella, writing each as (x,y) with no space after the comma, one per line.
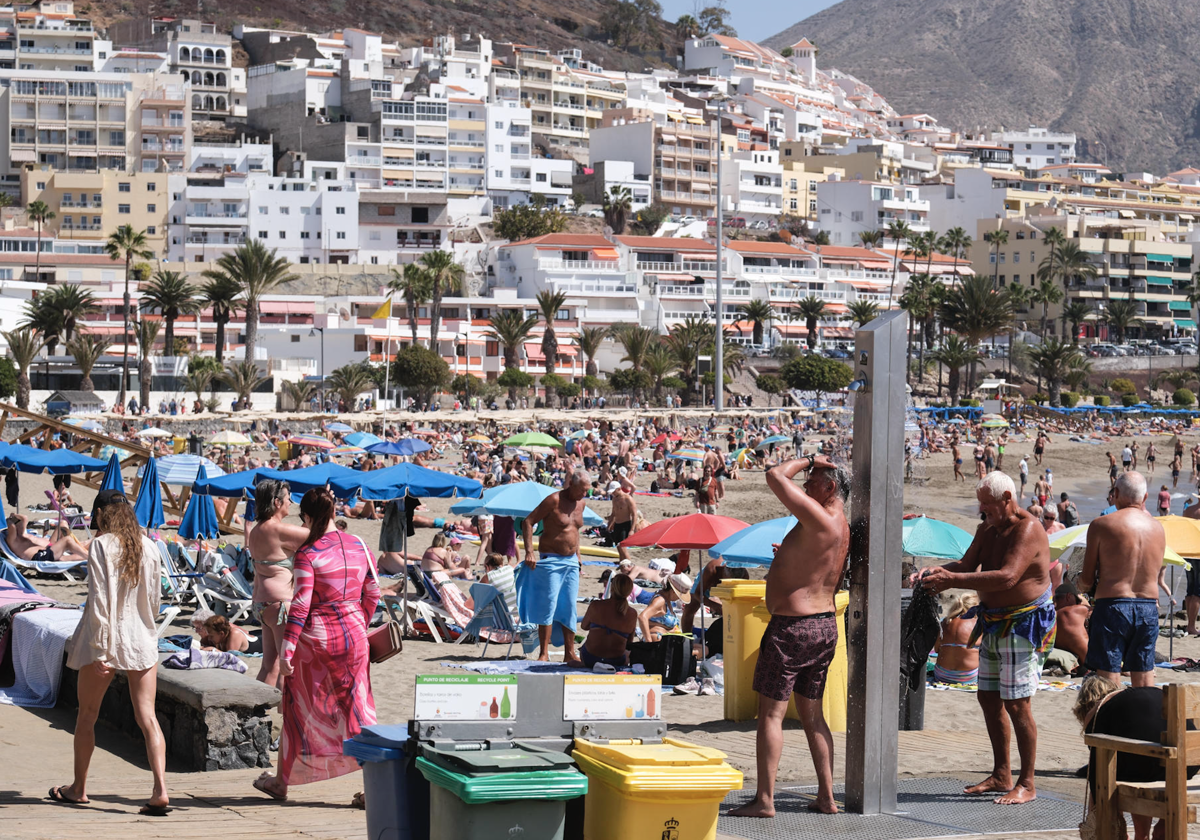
(995,424)
(926,537)
(112,475)
(308,478)
(182,469)
(347,450)
(957,421)
(753,546)
(153,432)
(1067,543)
(228,438)
(578,434)
(484,439)
(338,427)
(425,433)
(407,446)
(772,440)
(148,506)
(402,480)
(88,425)
(55,461)
(233,485)
(516,500)
(1183,534)
(534,438)
(200,518)
(664,437)
(693,530)
(108,450)
(363,439)
(316,441)
(687,454)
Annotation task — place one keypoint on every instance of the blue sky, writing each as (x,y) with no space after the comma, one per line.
(753,19)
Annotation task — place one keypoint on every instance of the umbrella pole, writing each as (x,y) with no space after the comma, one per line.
(1171,609)
(406,627)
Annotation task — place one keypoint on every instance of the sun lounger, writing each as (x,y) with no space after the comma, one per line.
(492,620)
(49,567)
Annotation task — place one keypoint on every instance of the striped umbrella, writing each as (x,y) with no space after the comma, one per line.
(315,441)
(183,469)
(347,450)
(338,427)
(153,432)
(688,454)
(484,439)
(88,425)
(363,439)
(773,439)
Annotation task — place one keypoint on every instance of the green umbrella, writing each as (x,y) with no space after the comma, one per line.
(532,439)
(924,537)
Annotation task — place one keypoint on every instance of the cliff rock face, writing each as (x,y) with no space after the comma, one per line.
(1126,74)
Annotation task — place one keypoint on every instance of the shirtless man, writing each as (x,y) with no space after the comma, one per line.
(273,544)
(799,642)
(1008,565)
(624,512)
(549,587)
(39,549)
(1039,446)
(1124,561)
(714,462)
(1041,489)
(1071,634)
(1112,469)
(956,454)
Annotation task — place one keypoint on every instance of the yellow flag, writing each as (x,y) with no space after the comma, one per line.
(384,310)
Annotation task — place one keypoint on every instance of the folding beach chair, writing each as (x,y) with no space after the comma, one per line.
(492,620)
(178,585)
(73,520)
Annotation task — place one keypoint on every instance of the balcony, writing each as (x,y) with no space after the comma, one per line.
(518,131)
(363,160)
(683,267)
(80,226)
(73,29)
(204,240)
(430,141)
(569,106)
(590,287)
(839,275)
(93,205)
(428,164)
(569,129)
(65,52)
(521,182)
(706,291)
(579,265)
(215,218)
(470,144)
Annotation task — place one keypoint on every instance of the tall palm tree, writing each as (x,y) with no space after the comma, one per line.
(1045,292)
(1075,313)
(618,202)
(996,238)
(589,341)
(1053,360)
(660,361)
(758,313)
(687,27)
(685,343)
(23,345)
(147,334)
(977,311)
(956,242)
(636,340)
(1120,316)
(1078,373)
(349,381)
(242,378)
(861,311)
(445,275)
(413,283)
(1048,268)
(87,350)
(917,301)
(127,244)
(223,296)
(871,238)
(1071,263)
(71,304)
(955,354)
(47,319)
(257,271)
(897,231)
(511,329)
(300,393)
(39,213)
(811,309)
(171,294)
(549,303)
(201,379)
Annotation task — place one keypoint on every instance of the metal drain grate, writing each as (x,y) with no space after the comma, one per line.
(934,807)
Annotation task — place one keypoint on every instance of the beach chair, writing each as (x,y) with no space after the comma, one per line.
(1176,800)
(448,597)
(178,586)
(73,520)
(214,590)
(492,620)
(166,614)
(52,567)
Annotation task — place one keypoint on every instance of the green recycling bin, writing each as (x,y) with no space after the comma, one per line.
(483,794)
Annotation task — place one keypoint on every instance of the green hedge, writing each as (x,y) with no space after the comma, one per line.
(1068,399)
(1102,400)
(1129,399)
(1183,396)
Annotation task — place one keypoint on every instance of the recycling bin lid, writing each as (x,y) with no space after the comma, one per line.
(520,758)
(737,590)
(392,736)
(505,784)
(628,755)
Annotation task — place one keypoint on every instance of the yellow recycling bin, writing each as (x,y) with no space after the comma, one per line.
(285,450)
(669,790)
(178,445)
(745,621)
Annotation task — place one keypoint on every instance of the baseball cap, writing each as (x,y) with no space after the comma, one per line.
(456,540)
(108,497)
(614,485)
(622,471)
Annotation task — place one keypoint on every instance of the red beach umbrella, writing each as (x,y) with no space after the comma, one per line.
(665,436)
(695,530)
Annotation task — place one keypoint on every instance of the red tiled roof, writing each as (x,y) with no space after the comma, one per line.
(566,240)
(665,243)
(779,248)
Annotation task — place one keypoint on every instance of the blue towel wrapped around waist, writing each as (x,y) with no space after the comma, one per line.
(547,594)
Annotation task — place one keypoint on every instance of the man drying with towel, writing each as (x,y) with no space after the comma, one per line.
(548,585)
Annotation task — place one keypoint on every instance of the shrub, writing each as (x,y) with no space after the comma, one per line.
(420,369)
(514,378)
(967,402)
(1129,399)
(1183,396)
(1068,399)
(1122,386)
(568,390)
(816,373)
(1102,400)
(674,383)
(591,383)
(466,383)
(1039,398)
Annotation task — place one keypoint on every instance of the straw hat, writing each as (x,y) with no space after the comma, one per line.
(682,584)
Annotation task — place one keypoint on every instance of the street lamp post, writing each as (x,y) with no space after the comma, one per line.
(321,330)
(719,354)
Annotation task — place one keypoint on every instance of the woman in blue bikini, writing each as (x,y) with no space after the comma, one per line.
(662,615)
(609,623)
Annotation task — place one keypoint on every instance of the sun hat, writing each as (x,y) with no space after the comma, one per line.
(682,584)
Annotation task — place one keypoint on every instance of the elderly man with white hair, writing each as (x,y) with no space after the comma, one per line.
(1124,561)
(1008,564)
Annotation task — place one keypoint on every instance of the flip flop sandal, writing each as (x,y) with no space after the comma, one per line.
(56,794)
(149,810)
(260,785)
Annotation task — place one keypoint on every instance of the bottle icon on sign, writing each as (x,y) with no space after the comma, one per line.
(494,710)
(483,710)
(641,712)
(650,703)
(629,711)
(505,705)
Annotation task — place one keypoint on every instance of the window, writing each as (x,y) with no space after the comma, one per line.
(420,215)
(151,186)
(262,234)
(374,260)
(540,177)
(123,209)
(262,211)
(855,216)
(565,315)
(341,211)
(304,235)
(287,212)
(500,125)
(1016,259)
(296,338)
(151,230)
(123,187)
(341,234)
(304,211)
(283,234)
(152,208)
(386,210)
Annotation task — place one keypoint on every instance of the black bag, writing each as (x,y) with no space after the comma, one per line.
(671,657)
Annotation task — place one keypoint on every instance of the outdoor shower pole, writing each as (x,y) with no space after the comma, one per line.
(873,618)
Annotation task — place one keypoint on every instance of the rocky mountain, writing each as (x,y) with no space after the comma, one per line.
(1123,74)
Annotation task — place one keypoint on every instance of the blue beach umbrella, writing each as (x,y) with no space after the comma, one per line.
(925,537)
(408,446)
(112,475)
(773,439)
(363,439)
(338,427)
(400,481)
(753,546)
(148,507)
(200,518)
(516,500)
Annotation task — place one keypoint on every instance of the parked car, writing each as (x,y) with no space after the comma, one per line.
(687,220)
(759,225)
(736,222)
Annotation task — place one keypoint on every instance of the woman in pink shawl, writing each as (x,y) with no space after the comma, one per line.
(327,694)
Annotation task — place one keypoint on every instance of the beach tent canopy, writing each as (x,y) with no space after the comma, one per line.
(56,462)
(233,485)
(400,481)
(301,481)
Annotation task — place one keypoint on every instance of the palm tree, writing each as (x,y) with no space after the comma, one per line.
(349,381)
(256,271)
(1120,316)
(445,275)
(871,238)
(917,301)
(636,341)
(39,212)
(23,345)
(171,294)
(300,393)
(72,304)
(976,311)
(956,242)
(1071,263)
(127,244)
(898,231)
(589,341)
(687,27)
(1048,268)
(1080,370)
(1053,360)
(996,238)
(811,309)
(222,294)
(147,334)
(1075,313)
(618,202)
(861,311)
(201,379)
(43,316)
(1046,292)
(684,342)
(413,283)
(758,313)
(955,354)
(660,361)
(549,303)
(511,329)
(242,378)
(87,350)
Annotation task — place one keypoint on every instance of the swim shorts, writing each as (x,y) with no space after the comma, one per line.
(1009,664)
(43,555)
(620,530)
(1122,634)
(795,656)
(1193,580)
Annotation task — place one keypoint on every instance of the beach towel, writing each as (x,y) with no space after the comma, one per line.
(919,629)
(505,580)
(195,659)
(546,594)
(453,601)
(10,574)
(1035,622)
(39,640)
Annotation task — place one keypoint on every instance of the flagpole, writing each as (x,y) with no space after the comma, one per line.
(387,347)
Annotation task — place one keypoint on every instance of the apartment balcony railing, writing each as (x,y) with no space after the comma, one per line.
(570,129)
(204,240)
(430,141)
(202,216)
(521,182)
(684,266)
(595,288)
(580,265)
(81,204)
(518,156)
(74,226)
(568,105)
(362,160)
(429,164)
(63,51)
(58,30)
(704,291)
(518,131)
(471,144)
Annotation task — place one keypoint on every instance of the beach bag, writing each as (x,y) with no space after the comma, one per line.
(386,640)
(671,656)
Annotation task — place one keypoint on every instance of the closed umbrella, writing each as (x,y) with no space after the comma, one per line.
(112,475)
(363,439)
(408,446)
(148,506)
(200,518)
(533,438)
(925,537)
(755,545)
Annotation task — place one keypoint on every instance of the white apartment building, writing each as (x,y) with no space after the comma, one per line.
(514,172)
(607,175)
(846,208)
(752,185)
(48,35)
(1036,148)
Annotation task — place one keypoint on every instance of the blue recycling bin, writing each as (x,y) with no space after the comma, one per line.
(397,794)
